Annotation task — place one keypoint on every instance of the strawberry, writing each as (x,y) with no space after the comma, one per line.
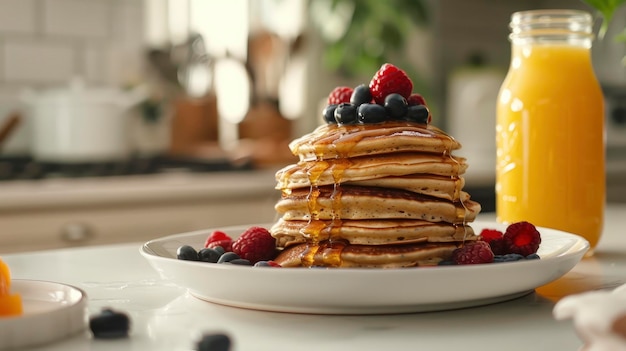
(255,244)
(521,238)
(219,238)
(390,79)
(340,95)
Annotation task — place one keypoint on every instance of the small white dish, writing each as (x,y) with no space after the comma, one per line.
(52,311)
(363,291)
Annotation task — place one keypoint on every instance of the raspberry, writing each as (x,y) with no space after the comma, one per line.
(521,238)
(494,238)
(473,253)
(219,238)
(255,244)
(416,99)
(390,79)
(339,95)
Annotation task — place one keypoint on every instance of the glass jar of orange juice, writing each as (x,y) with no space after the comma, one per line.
(550,167)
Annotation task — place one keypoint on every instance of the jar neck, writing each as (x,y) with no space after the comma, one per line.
(552,27)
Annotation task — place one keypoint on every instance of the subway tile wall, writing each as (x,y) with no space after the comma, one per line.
(46,43)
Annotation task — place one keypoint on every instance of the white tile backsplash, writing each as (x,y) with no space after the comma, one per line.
(17,16)
(77,18)
(38,62)
(46,43)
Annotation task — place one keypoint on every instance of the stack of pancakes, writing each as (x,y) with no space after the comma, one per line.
(373,195)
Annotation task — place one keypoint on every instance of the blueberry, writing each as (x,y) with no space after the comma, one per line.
(507,258)
(446,263)
(361,95)
(109,324)
(187,253)
(533,257)
(345,113)
(241,261)
(214,342)
(220,250)
(329,114)
(418,114)
(209,255)
(372,113)
(396,106)
(262,264)
(227,257)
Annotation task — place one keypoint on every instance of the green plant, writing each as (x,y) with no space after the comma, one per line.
(368,33)
(607,8)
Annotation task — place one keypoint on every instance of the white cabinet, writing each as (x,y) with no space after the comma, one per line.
(58,213)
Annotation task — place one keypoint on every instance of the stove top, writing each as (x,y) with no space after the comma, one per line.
(27,168)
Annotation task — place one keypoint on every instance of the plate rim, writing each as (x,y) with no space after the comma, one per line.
(570,257)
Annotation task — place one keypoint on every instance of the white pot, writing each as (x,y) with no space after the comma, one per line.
(79,124)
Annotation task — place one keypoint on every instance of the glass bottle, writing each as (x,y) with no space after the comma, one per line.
(550,167)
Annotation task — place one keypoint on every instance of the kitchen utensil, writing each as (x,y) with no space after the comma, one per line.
(81,124)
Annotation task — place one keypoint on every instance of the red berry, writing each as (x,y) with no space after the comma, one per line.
(521,238)
(416,99)
(339,95)
(473,253)
(390,79)
(494,238)
(255,244)
(217,238)
(490,234)
(226,244)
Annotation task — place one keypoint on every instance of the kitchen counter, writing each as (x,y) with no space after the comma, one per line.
(68,212)
(165,317)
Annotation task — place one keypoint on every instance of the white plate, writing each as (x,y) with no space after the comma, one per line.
(52,311)
(363,291)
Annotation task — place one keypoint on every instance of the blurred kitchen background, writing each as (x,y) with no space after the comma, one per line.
(126,120)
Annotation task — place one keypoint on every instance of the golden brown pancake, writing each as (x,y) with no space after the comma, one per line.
(305,174)
(332,141)
(356,202)
(448,188)
(339,254)
(369,231)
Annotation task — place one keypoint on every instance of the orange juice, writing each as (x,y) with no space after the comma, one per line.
(550,139)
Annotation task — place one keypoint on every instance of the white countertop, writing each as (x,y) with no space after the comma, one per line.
(165,317)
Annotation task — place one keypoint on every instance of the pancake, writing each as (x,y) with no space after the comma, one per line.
(355,202)
(370,167)
(339,254)
(369,232)
(448,188)
(343,141)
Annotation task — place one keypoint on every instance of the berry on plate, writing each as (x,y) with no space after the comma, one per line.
(473,253)
(390,79)
(521,238)
(494,238)
(219,238)
(339,95)
(255,244)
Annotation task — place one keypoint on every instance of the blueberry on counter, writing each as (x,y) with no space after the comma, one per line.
(214,342)
(109,324)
